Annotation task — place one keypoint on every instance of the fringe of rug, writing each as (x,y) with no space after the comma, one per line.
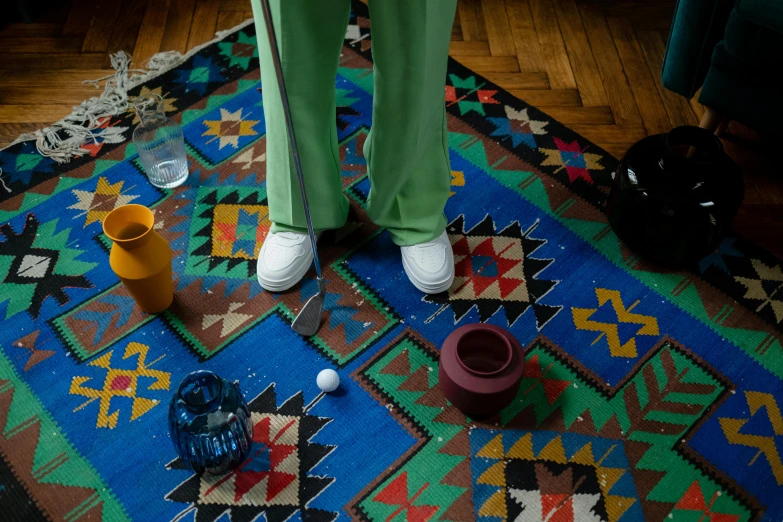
(86,122)
(3,182)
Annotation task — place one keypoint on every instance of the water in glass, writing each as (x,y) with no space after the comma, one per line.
(160,143)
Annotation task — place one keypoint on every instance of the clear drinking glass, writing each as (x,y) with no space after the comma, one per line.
(160,143)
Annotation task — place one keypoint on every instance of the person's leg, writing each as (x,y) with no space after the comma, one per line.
(310,37)
(407,149)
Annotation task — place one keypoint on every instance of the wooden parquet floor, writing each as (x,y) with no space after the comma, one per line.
(594,65)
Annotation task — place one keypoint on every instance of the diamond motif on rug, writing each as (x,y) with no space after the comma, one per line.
(531,476)
(239,53)
(573,159)
(273,481)
(38,263)
(495,270)
(197,75)
(227,230)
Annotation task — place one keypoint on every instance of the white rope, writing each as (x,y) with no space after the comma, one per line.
(3,181)
(85,123)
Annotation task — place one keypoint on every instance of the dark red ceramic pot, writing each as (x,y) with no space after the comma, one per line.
(480,368)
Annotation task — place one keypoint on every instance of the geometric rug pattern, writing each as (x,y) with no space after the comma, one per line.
(574,476)
(494,270)
(566,449)
(646,395)
(274,479)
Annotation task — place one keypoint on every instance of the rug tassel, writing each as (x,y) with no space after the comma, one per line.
(65,139)
(3,182)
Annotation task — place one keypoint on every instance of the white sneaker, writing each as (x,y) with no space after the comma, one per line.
(430,266)
(283,260)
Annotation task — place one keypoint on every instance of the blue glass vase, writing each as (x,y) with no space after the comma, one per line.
(210,423)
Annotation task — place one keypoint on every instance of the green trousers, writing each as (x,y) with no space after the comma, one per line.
(407,148)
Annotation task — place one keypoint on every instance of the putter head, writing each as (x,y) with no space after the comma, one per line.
(308,321)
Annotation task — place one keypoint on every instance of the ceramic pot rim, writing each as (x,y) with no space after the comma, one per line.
(469,382)
(139,213)
(509,354)
(688,135)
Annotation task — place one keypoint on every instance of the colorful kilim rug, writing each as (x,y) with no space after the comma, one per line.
(647,394)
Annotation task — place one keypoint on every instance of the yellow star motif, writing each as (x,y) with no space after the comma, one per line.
(764,443)
(582,321)
(168,103)
(229,128)
(98,203)
(122,383)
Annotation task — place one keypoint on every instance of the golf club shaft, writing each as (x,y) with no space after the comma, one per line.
(270,31)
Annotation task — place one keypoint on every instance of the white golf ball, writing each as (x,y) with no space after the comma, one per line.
(328,380)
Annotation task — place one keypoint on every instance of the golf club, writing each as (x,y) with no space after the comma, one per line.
(309,319)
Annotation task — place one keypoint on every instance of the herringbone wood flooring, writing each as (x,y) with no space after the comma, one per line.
(591,64)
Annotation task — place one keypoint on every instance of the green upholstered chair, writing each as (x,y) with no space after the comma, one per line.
(733,50)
